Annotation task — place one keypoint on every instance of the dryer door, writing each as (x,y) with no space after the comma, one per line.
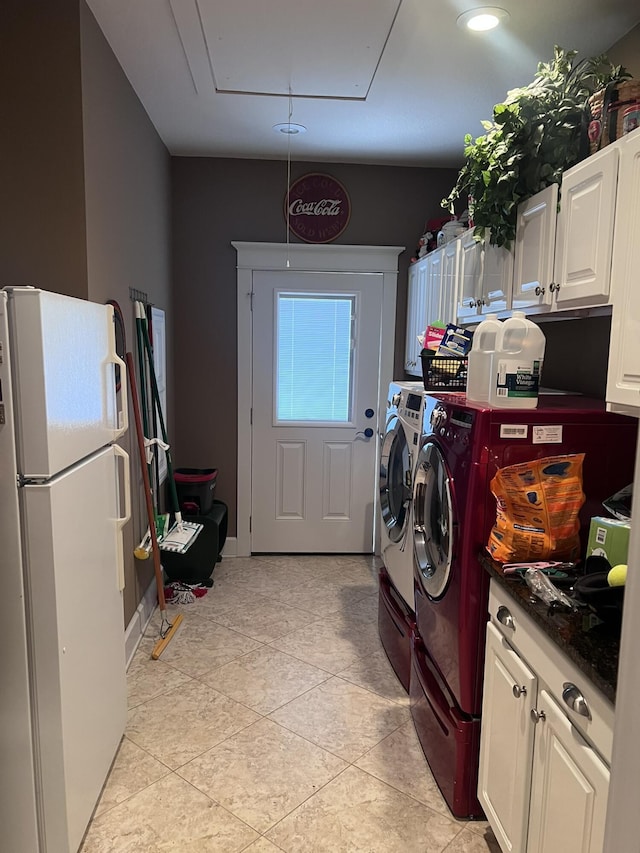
(432,520)
(395,480)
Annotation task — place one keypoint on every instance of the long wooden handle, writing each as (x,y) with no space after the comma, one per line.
(155,548)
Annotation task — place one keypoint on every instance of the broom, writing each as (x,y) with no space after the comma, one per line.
(167,628)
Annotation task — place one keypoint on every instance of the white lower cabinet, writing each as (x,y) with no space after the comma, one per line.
(545,741)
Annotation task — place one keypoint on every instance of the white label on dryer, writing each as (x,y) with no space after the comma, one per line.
(547,434)
(514,430)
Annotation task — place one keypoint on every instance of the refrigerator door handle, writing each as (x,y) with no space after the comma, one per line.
(121,521)
(121,417)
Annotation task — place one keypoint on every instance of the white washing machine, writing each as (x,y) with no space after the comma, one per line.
(400,445)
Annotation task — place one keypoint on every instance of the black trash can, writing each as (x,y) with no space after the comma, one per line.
(195,488)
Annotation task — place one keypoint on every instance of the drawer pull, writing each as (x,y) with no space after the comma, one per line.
(519,691)
(537,716)
(505,618)
(575,700)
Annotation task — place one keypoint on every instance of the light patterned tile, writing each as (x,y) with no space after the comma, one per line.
(147,678)
(375,673)
(265,679)
(185,722)
(399,761)
(265,620)
(262,773)
(132,771)
(468,841)
(324,596)
(366,608)
(222,598)
(168,815)
(356,812)
(199,645)
(342,718)
(331,644)
(263,845)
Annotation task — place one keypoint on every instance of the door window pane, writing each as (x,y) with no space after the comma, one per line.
(314,357)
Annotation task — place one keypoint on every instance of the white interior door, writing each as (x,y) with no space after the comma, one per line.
(316,357)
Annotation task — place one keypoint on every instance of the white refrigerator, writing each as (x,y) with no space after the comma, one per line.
(64,498)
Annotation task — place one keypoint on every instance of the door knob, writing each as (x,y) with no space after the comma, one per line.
(369,413)
(367,433)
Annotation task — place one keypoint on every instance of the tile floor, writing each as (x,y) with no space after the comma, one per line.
(274,722)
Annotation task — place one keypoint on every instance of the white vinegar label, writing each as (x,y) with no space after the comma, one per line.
(518,378)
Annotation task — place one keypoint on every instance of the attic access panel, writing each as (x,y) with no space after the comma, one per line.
(316,49)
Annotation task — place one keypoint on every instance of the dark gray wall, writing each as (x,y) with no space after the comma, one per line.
(42,222)
(128,239)
(216,201)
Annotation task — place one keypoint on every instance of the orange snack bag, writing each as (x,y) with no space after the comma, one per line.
(537,510)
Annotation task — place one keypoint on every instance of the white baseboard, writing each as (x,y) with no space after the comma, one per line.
(230,547)
(136,627)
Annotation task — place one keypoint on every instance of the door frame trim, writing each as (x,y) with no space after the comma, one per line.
(302,258)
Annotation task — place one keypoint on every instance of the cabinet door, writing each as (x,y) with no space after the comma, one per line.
(506,742)
(584,233)
(534,249)
(623,379)
(469,271)
(416,316)
(449,287)
(497,279)
(569,787)
(435,276)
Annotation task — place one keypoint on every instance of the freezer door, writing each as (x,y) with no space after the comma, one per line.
(63,364)
(72,551)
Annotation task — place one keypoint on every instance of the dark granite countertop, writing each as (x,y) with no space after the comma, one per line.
(592,645)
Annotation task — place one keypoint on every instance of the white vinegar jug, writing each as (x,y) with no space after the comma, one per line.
(480,359)
(517,364)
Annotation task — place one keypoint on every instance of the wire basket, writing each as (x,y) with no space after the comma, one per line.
(443,373)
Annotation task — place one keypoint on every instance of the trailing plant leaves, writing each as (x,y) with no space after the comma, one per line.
(534,136)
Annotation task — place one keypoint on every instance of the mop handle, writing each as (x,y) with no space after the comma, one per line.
(156,397)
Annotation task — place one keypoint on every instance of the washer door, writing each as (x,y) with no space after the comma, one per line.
(432,520)
(395,480)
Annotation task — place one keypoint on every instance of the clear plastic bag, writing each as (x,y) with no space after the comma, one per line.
(544,589)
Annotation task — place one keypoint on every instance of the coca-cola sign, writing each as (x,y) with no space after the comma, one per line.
(318,208)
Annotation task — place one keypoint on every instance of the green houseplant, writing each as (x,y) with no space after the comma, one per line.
(535,135)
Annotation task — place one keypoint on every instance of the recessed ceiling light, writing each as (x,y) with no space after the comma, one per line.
(289,128)
(482,18)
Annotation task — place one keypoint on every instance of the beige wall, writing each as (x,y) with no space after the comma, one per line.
(128,239)
(216,201)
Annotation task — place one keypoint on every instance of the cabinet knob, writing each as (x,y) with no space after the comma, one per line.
(472,303)
(540,291)
(575,700)
(505,618)
(537,716)
(519,691)
(480,303)
(554,287)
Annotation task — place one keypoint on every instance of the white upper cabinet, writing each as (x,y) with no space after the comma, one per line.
(584,232)
(435,277)
(534,250)
(496,279)
(469,277)
(623,379)
(449,283)
(416,315)
(485,273)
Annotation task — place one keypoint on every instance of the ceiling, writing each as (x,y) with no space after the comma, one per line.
(392,82)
